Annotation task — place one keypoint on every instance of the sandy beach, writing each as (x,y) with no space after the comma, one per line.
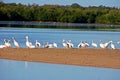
(106,58)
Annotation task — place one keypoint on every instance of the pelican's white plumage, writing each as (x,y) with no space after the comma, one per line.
(64,44)
(86,44)
(37,44)
(29,44)
(81,45)
(15,43)
(2,46)
(94,44)
(101,44)
(112,46)
(118,42)
(55,45)
(7,43)
(69,44)
(105,45)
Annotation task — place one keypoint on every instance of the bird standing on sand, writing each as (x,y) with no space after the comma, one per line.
(81,45)
(29,44)
(2,46)
(94,44)
(55,45)
(64,44)
(104,45)
(86,44)
(112,46)
(37,44)
(7,43)
(15,43)
(118,42)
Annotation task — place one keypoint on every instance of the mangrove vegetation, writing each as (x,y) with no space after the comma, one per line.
(58,13)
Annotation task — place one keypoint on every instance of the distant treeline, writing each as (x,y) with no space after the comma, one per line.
(55,13)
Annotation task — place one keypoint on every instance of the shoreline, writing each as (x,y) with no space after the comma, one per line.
(105,58)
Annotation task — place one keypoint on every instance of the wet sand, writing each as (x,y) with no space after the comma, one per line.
(106,58)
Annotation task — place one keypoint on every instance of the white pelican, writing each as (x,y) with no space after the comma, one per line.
(107,44)
(69,44)
(55,45)
(104,45)
(81,45)
(101,44)
(2,46)
(112,46)
(86,44)
(46,45)
(64,44)
(94,44)
(118,42)
(15,43)
(37,44)
(7,43)
(29,44)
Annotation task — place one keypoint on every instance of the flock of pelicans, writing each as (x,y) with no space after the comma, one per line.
(66,44)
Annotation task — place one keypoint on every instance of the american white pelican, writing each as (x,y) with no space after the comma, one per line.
(46,45)
(86,44)
(107,44)
(69,44)
(64,44)
(94,44)
(37,44)
(2,46)
(7,43)
(81,45)
(118,42)
(55,45)
(15,43)
(104,45)
(112,46)
(101,44)
(29,44)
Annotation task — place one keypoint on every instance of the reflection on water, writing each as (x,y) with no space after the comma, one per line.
(20,70)
(80,26)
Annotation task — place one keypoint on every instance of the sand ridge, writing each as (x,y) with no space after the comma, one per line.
(106,58)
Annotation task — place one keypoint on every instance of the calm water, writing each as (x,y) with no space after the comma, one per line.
(20,70)
(57,35)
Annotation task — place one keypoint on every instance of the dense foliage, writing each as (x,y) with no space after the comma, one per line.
(72,13)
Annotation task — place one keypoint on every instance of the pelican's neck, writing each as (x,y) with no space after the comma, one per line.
(27,39)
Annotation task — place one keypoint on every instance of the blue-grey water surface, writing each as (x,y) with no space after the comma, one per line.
(20,70)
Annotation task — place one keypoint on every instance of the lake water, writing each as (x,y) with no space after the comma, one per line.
(20,70)
(57,35)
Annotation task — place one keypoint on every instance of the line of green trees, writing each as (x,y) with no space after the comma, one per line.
(55,13)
